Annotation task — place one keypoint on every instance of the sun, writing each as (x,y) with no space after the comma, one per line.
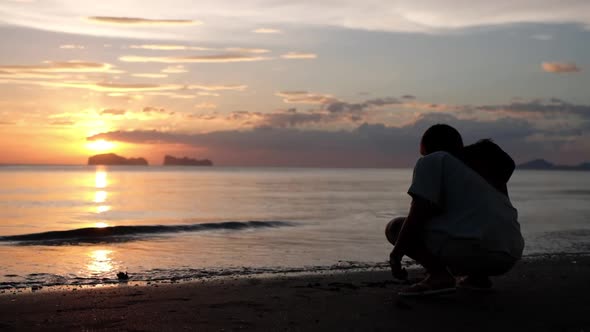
(100,145)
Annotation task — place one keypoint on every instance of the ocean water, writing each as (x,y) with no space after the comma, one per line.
(83,224)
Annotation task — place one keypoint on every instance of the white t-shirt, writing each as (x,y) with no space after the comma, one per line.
(471,208)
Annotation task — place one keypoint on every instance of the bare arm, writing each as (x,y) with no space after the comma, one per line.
(421,211)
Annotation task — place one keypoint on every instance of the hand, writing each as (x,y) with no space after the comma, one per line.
(397,270)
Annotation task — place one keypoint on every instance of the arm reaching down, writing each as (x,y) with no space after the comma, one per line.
(409,236)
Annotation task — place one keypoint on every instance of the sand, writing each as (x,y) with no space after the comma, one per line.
(540,294)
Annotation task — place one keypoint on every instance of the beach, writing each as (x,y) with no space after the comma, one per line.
(543,293)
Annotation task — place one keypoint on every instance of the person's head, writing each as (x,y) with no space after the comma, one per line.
(441,137)
(490,161)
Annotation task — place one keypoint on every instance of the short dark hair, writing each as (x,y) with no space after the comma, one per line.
(442,137)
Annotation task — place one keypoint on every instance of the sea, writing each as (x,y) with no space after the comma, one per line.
(82,225)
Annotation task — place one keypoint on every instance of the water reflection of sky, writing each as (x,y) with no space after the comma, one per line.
(100,195)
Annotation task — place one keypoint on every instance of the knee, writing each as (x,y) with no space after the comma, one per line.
(392,229)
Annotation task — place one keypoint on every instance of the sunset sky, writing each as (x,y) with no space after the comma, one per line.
(298,83)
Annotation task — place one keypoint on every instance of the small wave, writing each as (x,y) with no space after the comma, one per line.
(129,233)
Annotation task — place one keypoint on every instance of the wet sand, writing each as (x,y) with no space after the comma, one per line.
(541,294)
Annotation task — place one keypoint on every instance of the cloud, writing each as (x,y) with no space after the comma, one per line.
(135,21)
(73,66)
(178,69)
(291,119)
(128,97)
(97,86)
(113,87)
(201,116)
(267,31)
(208,94)
(340,106)
(299,55)
(560,67)
(410,97)
(168,47)
(552,107)
(330,112)
(368,145)
(304,97)
(149,75)
(247,50)
(152,110)
(225,17)
(112,111)
(72,47)
(205,105)
(216,58)
(172,95)
(205,87)
(62,123)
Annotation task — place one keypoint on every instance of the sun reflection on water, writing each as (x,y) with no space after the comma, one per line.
(100,178)
(100,261)
(102,208)
(100,196)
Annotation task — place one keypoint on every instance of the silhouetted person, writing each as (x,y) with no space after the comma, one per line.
(460,223)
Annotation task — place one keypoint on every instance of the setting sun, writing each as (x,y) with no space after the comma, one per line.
(100,145)
(101,225)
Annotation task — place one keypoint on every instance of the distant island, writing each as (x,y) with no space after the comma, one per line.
(542,164)
(113,159)
(185,161)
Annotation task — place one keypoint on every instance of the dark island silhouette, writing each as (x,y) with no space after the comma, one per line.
(185,161)
(542,164)
(113,159)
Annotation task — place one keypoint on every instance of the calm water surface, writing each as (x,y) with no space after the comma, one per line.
(192,222)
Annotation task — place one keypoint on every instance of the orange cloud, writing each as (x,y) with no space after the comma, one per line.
(216,58)
(298,55)
(136,21)
(560,67)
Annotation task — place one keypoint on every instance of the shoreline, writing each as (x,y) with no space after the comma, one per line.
(542,293)
(211,275)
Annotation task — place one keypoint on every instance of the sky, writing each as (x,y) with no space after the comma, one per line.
(321,83)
